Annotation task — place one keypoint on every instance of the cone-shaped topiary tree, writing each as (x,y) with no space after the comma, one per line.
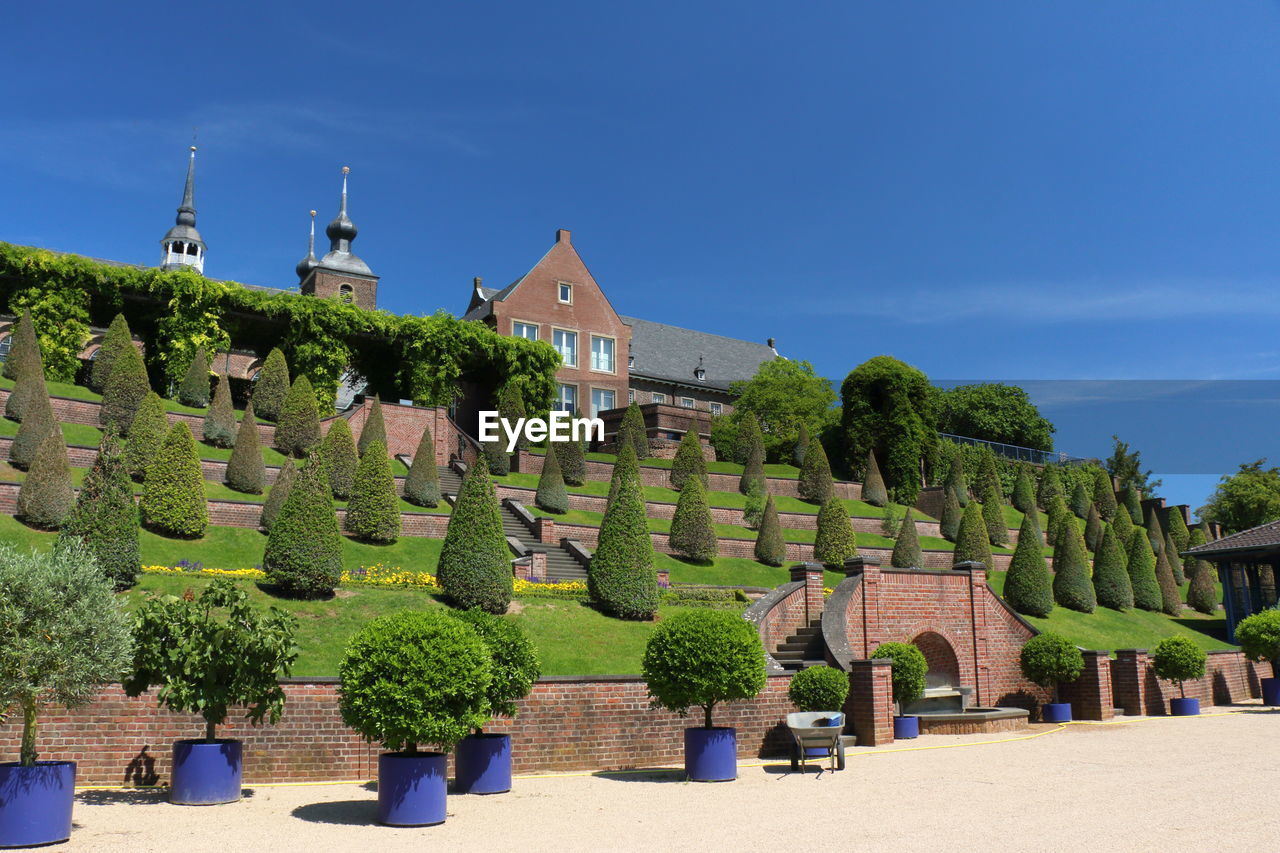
(1028,587)
(220,419)
(951,515)
(906,548)
(46,494)
(496,458)
(1111,584)
(1050,487)
(272,387)
(1072,587)
(150,426)
(1080,500)
(1024,492)
(194,390)
(1155,530)
(1202,595)
(114,341)
(835,540)
(1176,528)
(1132,501)
(573,463)
(873,490)
(127,387)
(422,486)
(246,471)
(105,516)
(303,555)
(24,350)
(1170,594)
(1093,528)
(475,565)
(298,428)
(993,514)
(988,475)
(173,502)
(35,428)
(551,494)
(1142,572)
(972,544)
(374,429)
(631,430)
(956,480)
(373,513)
(770,548)
(626,466)
(801,447)
(621,578)
(752,443)
(1059,517)
(340,459)
(278,494)
(693,534)
(1175,562)
(511,408)
(688,462)
(1123,525)
(815,483)
(1104,494)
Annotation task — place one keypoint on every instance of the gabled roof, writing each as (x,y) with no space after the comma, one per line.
(1260,538)
(672,354)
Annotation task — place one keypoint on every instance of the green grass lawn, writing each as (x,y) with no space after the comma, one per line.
(731,571)
(80,392)
(783,472)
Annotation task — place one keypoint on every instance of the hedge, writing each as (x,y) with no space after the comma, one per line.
(150,426)
(46,495)
(173,501)
(220,419)
(298,429)
(245,470)
(340,458)
(692,533)
(422,486)
(194,390)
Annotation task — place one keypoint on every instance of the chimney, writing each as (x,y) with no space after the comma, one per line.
(562,236)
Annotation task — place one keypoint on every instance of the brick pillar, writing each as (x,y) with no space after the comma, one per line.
(521,567)
(538,566)
(546,529)
(869,708)
(869,569)
(810,574)
(984,692)
(1090,695)
(664,578)
(1129,681)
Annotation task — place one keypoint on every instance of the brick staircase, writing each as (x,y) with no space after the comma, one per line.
(450,482)
(802,649)
(561,566)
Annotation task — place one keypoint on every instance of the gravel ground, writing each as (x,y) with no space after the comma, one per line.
(1140,784)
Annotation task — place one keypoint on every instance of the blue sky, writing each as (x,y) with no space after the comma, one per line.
(986,190)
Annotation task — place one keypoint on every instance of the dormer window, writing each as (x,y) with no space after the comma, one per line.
(700,374)
(631,361)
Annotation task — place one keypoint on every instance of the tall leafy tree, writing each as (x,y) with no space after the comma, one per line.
(340,458)
(105,516)
(783,397)
(835,540)
(173,501)
(246,471)
(373,513)
(873,488)
(46,495)
(127,387)
(375,427)
(194,390)
(888,407)
(1072,587)
(1028,587)
(693,534)
(906,547)
(220,419)
(815,484)
(117,337)
(621,578)
(1104,494)
(1142,572)
(303,554)
(1111,583)
(1245,499)
(1125,464)
(475,567)
(298,428)
(770,547)
(993,411)
(972,544)
(688,461)
(272,387)
(150,426)
(422,486)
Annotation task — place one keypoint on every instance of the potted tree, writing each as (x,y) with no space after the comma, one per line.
(62,635)
(482,760)
(1259,639)
(1048,660)
(909,668)
(702,658)
(1179,660)
(414,678)
(820,689)
(207,653)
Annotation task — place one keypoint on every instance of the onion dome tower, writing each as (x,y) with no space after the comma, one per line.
(307,264)
(340,273)
(183,245)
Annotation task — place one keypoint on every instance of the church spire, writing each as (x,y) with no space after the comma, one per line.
(341,232)
(307,264)
(183,246)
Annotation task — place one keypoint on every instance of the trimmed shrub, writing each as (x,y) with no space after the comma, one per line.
(511,408)
(753,447)
(1179,660)
(1259,636)
(35,427)
(815,483)
(906,547)
(770,547)
(801,448)
(1093,529)
(1024,493)
(1175,561)
(278,494)
(173,502)
(220,419)
(1170,594)
(1176,529)
(700,658)
(496,458)
(1124,530)
(621,578)
(1132,501)
(303,556)
(1072,587)
(993,514)
(415,678)
(340,459)
(957,482)
(573,463)
(909,669)
(1028,587)
(972,544)
(150,426)
(692,533)
(422,486)
(46,495)
(272,387)
(951,515)
(298,428)
(835,540)
(127,387)
(194,390)
(988,474)
(475,563)
(631,431)
(1080,502)
(625,466)
(1104,494)
(873,490)
(374,429)
(104,518)
(1050,659)
(373,513)
(688,462)
(24,351)
(551,494)
(819,688)
(1202,595)
(513,660)
(1050,487)
(1059,518)
(1111,584)
(753,506)
(1142,572)
(114,341)
(1155,530)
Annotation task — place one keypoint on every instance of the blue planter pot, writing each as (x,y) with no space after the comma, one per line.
(482,765)
(205,774)
(1056,712)
(837,719)
(35,803)
(906,728)
(412,789)
(1184,707)
(711,755)
(1271,691)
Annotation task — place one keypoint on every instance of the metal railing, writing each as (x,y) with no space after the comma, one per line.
(1019,454)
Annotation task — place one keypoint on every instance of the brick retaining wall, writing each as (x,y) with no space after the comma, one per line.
(1229,678)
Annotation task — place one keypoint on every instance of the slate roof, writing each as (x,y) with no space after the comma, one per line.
(1263,537)
(671,354)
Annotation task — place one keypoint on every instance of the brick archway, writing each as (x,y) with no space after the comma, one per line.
(944,666)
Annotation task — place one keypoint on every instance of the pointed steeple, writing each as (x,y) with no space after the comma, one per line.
(183,246)
(341,232)
(307,264)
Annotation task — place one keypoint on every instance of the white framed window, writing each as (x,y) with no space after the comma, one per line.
(687,402)
(602,353)
(602,399)
(659,397)
(567,398)
(631,395)
(716,409)
(566,343)
(528,331)
(565,292)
